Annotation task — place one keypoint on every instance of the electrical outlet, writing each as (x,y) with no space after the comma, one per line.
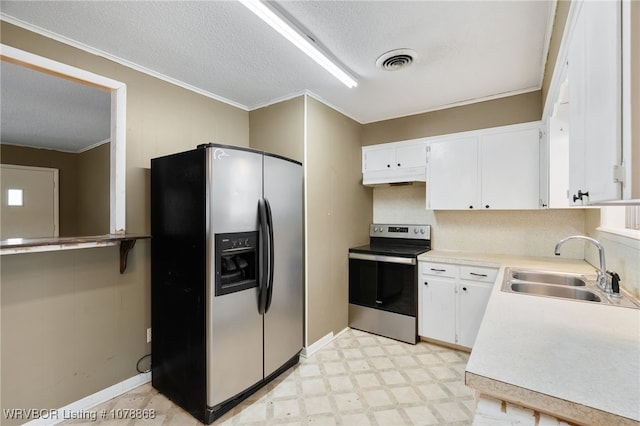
(149,335)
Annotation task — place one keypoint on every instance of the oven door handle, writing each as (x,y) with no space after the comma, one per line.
(383,258)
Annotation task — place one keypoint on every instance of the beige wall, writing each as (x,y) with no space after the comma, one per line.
(481,115)
(84,185)
(338,215)
(279,128)
(66,163)
(71,325)
(93,188)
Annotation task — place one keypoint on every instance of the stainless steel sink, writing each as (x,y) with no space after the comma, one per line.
(551,290)
(549,278)
(572,287)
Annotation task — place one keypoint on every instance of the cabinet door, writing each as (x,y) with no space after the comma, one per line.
(595,90)
(510,169)
(378,159)
(437,307)
(576,63)
(453,175)
(472,302)
(411,156)
(557,158)
(603,99)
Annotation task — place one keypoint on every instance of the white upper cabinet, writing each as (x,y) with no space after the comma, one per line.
(378,159)
(510,166)
(394,162)
(595,104)
(453,174)
(496,168)
(411,155)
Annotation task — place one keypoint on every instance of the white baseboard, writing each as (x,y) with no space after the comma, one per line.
(81,409)
(320,343)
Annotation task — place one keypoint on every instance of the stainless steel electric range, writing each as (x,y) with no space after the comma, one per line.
(383,281)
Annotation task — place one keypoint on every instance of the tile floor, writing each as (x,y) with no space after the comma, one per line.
(358,379)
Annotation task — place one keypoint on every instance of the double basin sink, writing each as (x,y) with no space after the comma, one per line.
(560,285)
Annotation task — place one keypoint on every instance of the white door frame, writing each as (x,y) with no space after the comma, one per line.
(118,120)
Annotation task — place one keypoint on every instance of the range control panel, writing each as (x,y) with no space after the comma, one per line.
(422,232)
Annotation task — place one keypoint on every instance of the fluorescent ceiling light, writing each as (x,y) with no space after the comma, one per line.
(300,41)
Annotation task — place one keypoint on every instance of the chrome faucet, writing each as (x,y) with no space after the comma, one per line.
(603,281)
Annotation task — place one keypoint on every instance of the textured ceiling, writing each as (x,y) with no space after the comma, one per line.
(466,51)
(41,110)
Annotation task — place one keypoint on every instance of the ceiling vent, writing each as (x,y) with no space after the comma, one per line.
(396,59)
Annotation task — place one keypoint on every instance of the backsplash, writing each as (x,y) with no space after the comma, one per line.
(517,232)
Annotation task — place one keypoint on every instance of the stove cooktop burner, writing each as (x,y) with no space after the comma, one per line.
(397,240)
(396,250)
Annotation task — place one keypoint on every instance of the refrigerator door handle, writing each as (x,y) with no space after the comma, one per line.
(271,256)
(263,268)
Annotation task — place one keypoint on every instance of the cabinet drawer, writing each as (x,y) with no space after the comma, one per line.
(438,269)
(478,273)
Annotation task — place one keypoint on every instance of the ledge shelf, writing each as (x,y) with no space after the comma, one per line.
(37,245)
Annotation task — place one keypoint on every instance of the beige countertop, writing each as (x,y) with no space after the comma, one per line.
(577,360)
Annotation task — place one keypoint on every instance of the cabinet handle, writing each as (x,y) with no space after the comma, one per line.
(464,289)
(487,206)
(426,283)
(478,275)
(398,164)
(438,270)
(388,165)
(470,207)
(580,195)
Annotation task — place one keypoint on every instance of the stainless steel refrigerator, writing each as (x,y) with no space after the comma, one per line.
(226,274)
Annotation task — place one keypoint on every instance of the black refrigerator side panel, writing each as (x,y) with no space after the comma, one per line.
(178,273)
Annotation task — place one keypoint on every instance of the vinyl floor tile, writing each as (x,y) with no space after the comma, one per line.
(358,379)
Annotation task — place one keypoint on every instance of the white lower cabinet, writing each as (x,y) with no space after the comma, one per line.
(452,300)
(437,309)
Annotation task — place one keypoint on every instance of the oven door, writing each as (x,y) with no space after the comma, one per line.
(383,282)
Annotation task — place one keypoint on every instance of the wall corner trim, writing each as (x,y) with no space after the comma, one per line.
(320,343)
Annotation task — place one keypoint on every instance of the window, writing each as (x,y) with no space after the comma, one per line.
(14,197)
(621,220)
(632,217)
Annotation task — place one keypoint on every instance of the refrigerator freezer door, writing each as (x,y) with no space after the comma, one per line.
(283,322)
(234,325)
(235,179)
